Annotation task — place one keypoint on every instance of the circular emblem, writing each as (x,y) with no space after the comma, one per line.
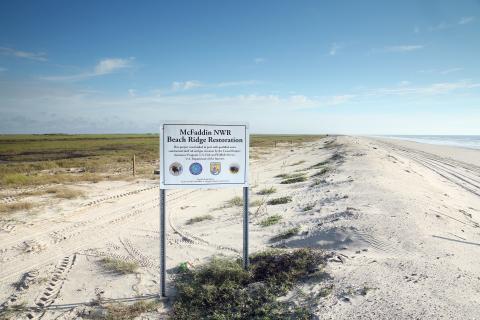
(234,168)
(195,168)
(175,169)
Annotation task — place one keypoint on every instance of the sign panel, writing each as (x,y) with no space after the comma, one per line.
(203,155)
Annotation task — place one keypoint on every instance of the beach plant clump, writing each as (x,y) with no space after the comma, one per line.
(124,311)
(119,266)
(16,206)
(319,165)
(222,289)
(286,234)
(321,172)
(256,203)
(199,219)
(234,202)
(270,221)
(290,175)
(294,180)
(281,200)
(267,191)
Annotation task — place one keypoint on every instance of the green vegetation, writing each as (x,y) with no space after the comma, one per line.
(281,200)
(308,207)
(267,191)
(321,172)
(286,234)
(119,266)
(234,202)
(47,159)
(16,206)
(222,289)
(294,180)
(270,221)
(290,175)
(199,219)
(319,165)
(121,311)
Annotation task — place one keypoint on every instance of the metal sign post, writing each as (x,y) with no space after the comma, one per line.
(202,156)
(163,237)
(246,261)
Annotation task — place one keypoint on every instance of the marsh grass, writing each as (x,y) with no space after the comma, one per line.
(286,234)
(119,266)
(270,221)
(267,191)
(281,200)
(222,289)
(199,219)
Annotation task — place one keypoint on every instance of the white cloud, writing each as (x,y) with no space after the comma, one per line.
(403,48)
(340,99)
(103,67)
(36,56)
(334,48)
(404,83)
(259,60)
(432,89)
(192,84)
(466,20)
(447,71)
(186,85)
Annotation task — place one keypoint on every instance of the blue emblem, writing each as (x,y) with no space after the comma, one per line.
(195,168)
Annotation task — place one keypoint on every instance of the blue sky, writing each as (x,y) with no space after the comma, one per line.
(353,67)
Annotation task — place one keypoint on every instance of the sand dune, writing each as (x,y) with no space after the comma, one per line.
(401,218)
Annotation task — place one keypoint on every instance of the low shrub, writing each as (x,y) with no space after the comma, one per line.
(281,200)
(222,289)
(270,221)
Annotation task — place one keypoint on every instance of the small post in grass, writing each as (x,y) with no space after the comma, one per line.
(133,167)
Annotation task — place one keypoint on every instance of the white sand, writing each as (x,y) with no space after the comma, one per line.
(402,218)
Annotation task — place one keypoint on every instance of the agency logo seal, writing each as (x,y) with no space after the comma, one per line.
(195,168)
(175,169)
(234,168)
(215,168)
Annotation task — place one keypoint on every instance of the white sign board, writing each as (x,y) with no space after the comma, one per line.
(203,155)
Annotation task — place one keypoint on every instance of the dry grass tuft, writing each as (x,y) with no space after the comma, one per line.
(119,266)
(199,219)
(63,193)
(13,207)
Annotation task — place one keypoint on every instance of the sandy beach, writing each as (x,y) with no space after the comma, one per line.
(400,221)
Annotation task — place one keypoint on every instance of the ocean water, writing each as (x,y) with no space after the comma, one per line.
(472,142)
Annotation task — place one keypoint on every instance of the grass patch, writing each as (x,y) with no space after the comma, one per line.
(234,202)
(119,266)
(256,203)
(319,165)
(120,311)
(267,191)
(63,193)
(308,207)
(290,175)
(222,289)
(321,172)
(270,221)
(13,207)
(294,180)
(286,234)
(281,200)
(199,219)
